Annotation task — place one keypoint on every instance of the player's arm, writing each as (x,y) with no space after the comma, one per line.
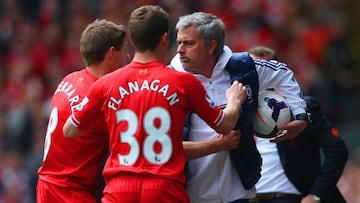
(290,130)
(71,126)
(70,130)
(222,121)
(278,76)
(236,96)
(85,113)
(196,149)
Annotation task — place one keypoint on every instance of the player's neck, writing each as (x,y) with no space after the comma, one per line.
(145,57)
(148,56)
(97,72)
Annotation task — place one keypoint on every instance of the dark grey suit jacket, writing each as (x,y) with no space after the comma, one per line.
(302,158)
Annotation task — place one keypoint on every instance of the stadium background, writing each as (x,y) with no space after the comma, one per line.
(39,44)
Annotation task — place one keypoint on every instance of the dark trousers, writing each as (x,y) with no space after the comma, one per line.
(240,201)
(279,200)
(276,197)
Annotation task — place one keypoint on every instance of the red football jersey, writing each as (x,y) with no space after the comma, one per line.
(73,163)
(145,106)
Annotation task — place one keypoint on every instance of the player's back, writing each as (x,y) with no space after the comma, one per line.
(72,163)
(145,106)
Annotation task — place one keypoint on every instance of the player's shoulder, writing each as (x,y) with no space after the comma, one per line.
(178,74)
(114,75)
(78,77)
(271,64)
(74,74)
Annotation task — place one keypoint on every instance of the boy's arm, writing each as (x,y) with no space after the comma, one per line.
(196,149)
(70,130)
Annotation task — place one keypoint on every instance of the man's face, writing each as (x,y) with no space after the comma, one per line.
(193,54)
(117,58)
(123,55)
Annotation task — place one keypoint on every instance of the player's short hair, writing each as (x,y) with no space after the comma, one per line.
(263,52)
(146,26)
(209,27)
(98,37)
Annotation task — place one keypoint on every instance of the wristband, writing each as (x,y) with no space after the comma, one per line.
(304,117)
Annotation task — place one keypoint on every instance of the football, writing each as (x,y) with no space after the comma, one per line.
(272,111)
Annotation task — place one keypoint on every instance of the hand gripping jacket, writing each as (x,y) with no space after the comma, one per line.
(246,158)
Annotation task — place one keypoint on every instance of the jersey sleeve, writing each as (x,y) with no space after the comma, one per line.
(202,104)
(277,75)
(88,111)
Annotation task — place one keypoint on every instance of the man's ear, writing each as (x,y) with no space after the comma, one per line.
(112,51)
(164,38)
(212,47)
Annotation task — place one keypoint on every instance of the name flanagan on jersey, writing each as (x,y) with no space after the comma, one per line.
(145,86)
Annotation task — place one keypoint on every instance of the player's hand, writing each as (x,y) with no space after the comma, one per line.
(236,94)
(229,141)
(309,199)
(290,130)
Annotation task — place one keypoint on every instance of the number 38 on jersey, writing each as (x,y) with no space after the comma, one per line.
(153,132)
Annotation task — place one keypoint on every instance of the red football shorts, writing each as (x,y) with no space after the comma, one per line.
(46,192)
(147,189)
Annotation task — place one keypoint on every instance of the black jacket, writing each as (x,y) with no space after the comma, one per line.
(302,159)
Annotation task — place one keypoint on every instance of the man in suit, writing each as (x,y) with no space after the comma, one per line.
(295,171)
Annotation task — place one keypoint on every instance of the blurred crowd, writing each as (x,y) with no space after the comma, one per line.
(39,44)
